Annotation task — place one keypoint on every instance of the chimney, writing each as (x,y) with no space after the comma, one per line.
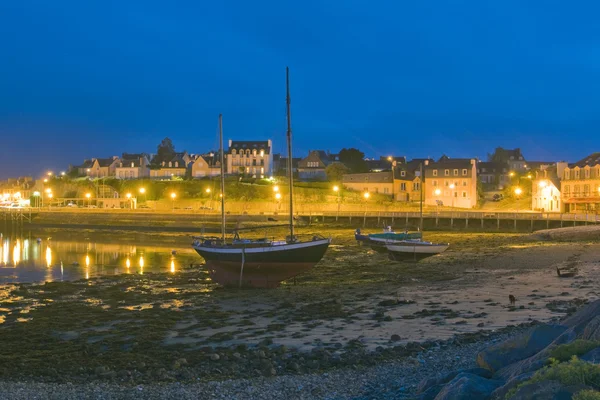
(426,162)
(230,141)
(560,168)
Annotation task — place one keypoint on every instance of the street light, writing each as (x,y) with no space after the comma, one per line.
(278,198)
(143,191)
(49,173)
(452,193)
(276,188)
(366,195)
(45,180)
(128,195)
(518,192)
(88,196)
(336,189)
(62,173)
(173,195)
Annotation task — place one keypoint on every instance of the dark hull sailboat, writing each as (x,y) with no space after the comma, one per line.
(263,265)
(260,263)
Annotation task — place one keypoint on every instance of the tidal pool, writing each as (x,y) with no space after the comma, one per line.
(27,257)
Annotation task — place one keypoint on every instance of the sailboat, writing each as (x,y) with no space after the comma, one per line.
(262,262)
(415,249)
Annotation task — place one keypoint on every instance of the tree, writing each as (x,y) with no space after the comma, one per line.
(335,171)
(354,160)
(165,151)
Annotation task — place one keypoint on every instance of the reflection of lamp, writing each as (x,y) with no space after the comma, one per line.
(172,266)
(127,263)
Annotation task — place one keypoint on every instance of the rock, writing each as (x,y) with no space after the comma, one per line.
(592,329)
(426,384)
(501,392)
(480,325)
(68,335)
(546,390)
(468,386)
(583,316)
(536,361)
(519,348)
(237,356)
(262,354)
(395,338)
(215,357)
(592,356)
(101,370)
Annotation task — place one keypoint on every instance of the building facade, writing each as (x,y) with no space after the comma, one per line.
(546,188)
(312,167)
(132,166)
(451,182)
(203,165)
(580,185)
(371,182)
(251,158)
(493,175)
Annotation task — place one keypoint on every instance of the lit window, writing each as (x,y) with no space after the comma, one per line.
(446,172)
(464,172)
(435,172)
(402,173)
(455,172)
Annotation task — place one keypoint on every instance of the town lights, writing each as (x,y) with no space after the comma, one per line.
(366,195)
(45,180)
(543,184)
(48,190)
(452,186)
(278,196)
(276,188)
(511,174)
(437,192)
(142,190)
(173,195)
(518,191)
(336,189)
(49,173)
(128,195)
(207,190)
(88,195)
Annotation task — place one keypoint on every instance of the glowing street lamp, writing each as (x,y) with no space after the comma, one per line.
(336,189)
(128,195)
(437,192)
(366,195)
(45,180)
(88,196)
(62,173)
(276,188)
(173,196)
(511,174)
(49,173)
(518,192)
(278,196)
(48,190)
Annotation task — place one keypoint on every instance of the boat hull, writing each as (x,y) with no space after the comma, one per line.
(264,266)
(414,251)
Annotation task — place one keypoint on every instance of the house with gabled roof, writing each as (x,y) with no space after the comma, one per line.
(174,168)
(132,166)
(546,188)
(312,167)
(203,165)
(451,182)
(580,185)
(250,158)
(98,167)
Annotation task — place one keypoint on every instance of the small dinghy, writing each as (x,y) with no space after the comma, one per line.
(567,272)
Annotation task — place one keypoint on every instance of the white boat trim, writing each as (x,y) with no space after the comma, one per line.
(418,247)
(270,247)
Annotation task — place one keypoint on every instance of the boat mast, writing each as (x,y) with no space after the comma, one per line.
(222,177)
(421,198)
(289,144)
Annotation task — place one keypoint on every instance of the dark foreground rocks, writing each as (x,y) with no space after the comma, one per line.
(520,368)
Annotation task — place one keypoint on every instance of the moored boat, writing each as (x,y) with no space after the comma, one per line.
(261,262)
(414,250)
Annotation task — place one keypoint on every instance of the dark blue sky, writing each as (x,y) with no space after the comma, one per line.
(95,78)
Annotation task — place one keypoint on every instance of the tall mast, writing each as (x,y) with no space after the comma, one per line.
(421,198)
(289,144)
(222,177)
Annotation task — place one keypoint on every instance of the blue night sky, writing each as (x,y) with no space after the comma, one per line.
(80,79)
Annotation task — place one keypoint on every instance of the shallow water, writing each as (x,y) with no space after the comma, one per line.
(27,258)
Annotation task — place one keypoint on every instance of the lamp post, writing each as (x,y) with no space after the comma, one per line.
(278,198)
(518,192)
(452,186)
(173,195)
(88,197)
(336,189)
(437,193)
(143,191)
(366,195)
(128,195)
(208,191)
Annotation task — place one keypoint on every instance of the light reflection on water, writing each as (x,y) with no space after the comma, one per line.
(23,259)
